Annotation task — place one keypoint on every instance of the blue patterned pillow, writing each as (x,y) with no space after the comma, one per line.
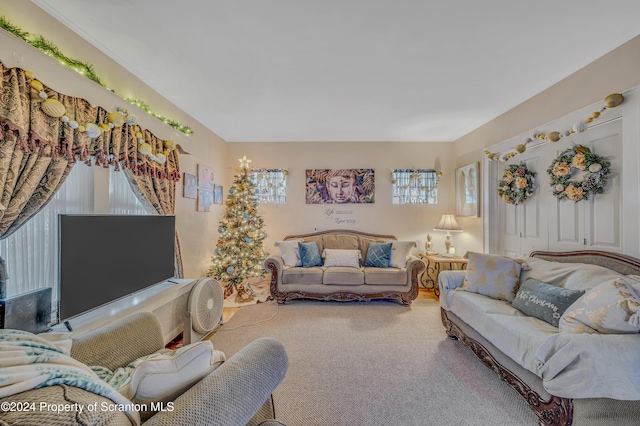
(309,254)
(378,255)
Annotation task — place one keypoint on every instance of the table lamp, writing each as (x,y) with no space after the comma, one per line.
(448,223)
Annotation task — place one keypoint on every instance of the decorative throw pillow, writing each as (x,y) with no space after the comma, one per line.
(400,253)
(336,257)
(378,255)
(289,252)
(492,275)
(309,254)
(163,376)
(610,307)
(544,301)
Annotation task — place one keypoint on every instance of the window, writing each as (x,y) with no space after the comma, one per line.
(31,253)
(414,186)
(271,185)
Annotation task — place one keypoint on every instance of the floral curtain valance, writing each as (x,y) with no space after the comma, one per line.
(22,120)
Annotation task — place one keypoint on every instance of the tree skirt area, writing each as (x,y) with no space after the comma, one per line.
(374,363)
(260,290)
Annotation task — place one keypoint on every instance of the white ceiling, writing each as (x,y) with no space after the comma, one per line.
(349,70)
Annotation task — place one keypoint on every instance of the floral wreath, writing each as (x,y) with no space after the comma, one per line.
(517,184)
(588,170)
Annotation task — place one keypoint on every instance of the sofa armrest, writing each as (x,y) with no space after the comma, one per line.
(232,393)
(415,266)
(274,265)
(448,281)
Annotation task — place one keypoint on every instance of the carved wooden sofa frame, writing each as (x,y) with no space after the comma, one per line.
(554,410)
(403,297)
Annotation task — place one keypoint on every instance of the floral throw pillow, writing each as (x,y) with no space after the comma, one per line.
(492,276)
(610,307)
(400,253)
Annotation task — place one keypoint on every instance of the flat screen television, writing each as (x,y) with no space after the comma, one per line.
(103,258)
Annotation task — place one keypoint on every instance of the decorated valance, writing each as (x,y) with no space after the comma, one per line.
(53,124)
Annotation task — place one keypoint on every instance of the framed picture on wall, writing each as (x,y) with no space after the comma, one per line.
(189,185)
(218,191)
(340,186)
(205,177)
(467,191)
(205,200)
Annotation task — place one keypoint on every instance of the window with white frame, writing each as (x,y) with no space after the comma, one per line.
(414,186)
(271,185)
(31,253)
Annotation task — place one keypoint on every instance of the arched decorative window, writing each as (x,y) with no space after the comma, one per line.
(414,186)
(271,185)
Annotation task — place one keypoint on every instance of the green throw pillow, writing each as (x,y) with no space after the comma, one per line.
(378,255)
(544,301)
(309,254)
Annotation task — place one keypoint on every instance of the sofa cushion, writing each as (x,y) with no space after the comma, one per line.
(544,301)
(517,335)
(575,276)
(364,242)
(290,253)
(342,275)
(492,275)
(309,254)
(378,255)
(400,251)
(340,241)
(302,275)
(335,257)
(611,307)
(384,276)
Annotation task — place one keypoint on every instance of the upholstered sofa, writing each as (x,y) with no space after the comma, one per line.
(238,392)
(341,279)
(585,371)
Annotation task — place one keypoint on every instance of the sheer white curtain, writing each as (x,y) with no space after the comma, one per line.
(122,199)
(31,253)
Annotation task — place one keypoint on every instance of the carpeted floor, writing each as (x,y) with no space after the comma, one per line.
(375,363)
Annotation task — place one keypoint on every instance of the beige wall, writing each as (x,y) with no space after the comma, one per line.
(410,222)
(197,230)
(615,72)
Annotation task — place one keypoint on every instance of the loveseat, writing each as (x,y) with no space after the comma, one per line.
(583,371)
(238,392)
(344,273)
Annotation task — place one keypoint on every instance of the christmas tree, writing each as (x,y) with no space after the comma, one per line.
(240,252)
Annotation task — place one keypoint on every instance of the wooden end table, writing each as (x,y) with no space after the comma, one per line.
(434,266)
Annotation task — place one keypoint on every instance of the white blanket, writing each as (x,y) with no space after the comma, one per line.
(30,361)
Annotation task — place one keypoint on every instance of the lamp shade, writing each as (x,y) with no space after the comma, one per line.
(448,223)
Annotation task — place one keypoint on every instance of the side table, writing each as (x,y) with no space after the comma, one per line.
(434,266)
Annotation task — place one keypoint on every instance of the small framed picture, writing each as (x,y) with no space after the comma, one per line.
(205,177)
(467,191)
(189,186)
(205,200)
(218,192)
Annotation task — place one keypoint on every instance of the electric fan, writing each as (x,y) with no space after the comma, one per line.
(204,310)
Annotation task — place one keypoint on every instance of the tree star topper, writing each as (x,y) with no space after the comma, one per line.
(244,162)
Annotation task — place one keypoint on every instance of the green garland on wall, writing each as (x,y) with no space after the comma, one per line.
(50,49)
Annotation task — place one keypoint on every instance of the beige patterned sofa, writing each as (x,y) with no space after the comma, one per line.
(344,283)
(236,393)
(568,376)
